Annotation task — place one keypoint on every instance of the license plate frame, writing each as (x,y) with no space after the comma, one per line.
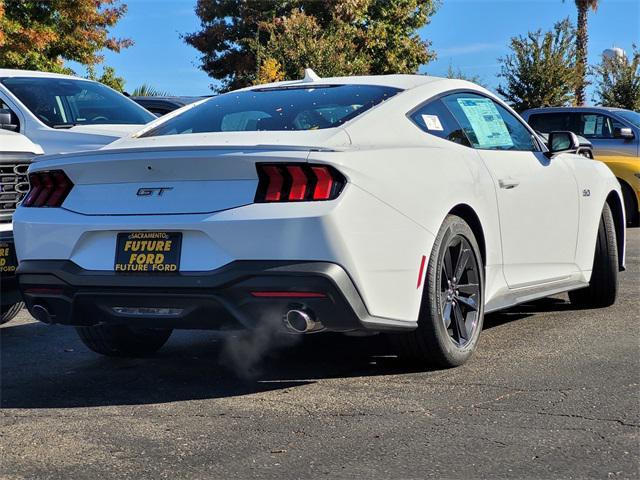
(150,253)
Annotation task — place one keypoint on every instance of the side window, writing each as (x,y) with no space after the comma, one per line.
(488,125)
(594,125)
(597,126)
(549,122)
(435,118)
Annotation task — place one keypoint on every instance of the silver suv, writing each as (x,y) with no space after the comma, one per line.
(615,136)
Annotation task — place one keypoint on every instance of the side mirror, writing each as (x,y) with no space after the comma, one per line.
(562,142)
(623,132)
(7,120)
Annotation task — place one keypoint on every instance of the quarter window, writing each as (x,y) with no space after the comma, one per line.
(435,118)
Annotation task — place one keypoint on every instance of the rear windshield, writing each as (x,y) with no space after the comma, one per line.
(66,102)
(282,108)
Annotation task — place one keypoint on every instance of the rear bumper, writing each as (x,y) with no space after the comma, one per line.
(217,299)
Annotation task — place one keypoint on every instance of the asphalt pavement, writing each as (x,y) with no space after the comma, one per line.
(552,392)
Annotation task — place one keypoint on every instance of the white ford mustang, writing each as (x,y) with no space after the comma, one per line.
(404,204)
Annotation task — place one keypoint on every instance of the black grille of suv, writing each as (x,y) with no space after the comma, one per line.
(14,183)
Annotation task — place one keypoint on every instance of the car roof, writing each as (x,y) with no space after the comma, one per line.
(572,109)
(9,72)
(175,99)
(401,81)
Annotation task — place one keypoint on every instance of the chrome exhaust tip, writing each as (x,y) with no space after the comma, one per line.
(300,320)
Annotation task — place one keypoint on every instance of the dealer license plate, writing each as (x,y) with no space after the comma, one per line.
(148,252)
(8,260)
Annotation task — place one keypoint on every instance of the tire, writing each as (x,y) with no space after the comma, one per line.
(123,341)
(438,341)
(8,312)
(603,286)
(630,205)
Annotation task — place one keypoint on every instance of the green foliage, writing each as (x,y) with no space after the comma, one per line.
(248,42)
(108,77)
(540,71)
(582,40)
(42,34)
(618,82)
(460,75)
(146,90)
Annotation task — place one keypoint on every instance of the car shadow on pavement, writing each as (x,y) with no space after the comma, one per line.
(48,367)
(544,305)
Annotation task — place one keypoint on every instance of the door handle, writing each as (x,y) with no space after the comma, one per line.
(508,183)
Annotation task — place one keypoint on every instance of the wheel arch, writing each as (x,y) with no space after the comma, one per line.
(469,215)
(617,210)
(627,189)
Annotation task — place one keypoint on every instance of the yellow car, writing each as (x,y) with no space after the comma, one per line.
(615,136)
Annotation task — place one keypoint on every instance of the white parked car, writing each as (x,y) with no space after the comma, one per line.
(62,113)
(405,204)
(16,153)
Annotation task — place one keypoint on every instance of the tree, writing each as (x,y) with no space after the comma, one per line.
(460,75)
(541,70)
(252,41)
(146,90)
(618,81)
(582,40)
(108,77)
(43,34)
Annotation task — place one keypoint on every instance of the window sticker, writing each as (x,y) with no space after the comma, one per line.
(589,125)
(432,122)
(599,125)
(486,122)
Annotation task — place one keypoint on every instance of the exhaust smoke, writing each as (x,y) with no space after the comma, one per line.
(244,351)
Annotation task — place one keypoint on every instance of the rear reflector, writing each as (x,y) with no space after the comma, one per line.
(288,294)
(48,189)
(44,291)
(285,182)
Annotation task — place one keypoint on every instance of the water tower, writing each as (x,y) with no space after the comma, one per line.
(614,53)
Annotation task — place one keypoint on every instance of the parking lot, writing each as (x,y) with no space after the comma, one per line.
(551,393)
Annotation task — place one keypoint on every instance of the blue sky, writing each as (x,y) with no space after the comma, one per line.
(468,34)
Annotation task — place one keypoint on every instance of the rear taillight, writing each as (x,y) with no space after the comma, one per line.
(285,182)
(48,189)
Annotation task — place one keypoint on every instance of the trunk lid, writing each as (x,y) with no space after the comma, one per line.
(166,180)
(181,174)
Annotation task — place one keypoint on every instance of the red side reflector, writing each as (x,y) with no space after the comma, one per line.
(288,294)
(298,184)
(424,259)
(44,291)
(274,188)
(324,184)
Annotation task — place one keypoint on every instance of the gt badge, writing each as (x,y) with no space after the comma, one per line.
(148,192)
